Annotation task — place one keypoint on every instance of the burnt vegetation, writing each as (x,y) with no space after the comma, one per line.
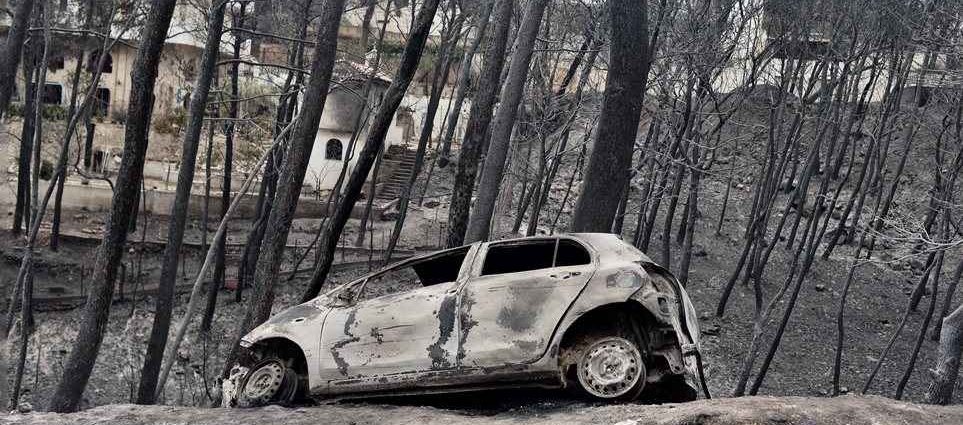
(793,165)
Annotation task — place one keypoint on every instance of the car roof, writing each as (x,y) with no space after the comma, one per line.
(605,244)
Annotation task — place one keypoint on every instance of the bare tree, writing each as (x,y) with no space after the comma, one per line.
(511,96)
(291,176)
(479,119)
(80,363)
(372,146)
(10,58)
(229,134)
(611,157)
(147,388)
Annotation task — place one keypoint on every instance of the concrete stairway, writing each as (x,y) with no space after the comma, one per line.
(396,168)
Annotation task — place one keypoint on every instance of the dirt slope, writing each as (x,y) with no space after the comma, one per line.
(749,410)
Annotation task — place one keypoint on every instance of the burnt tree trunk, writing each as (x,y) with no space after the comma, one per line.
(479,224)
(21,214)
(10,58)
(80,363)
(178,217)
(464,84)
(369,200)
(611,157)
(229,130)
(291,176)
(373,144)
(479,119)
(58,197)
(283,115)
(438,81)
(947,367)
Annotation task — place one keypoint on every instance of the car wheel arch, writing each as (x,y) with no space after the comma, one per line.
(635,318)
(284,349)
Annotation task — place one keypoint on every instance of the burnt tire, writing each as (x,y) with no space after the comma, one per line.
(609,368)
(270,381)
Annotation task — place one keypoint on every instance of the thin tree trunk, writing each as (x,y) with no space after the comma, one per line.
(911,364)
(464,83)
(80,363)
(369,201)
(21,217)
(147,387)
(58,197)
(692,204)
(568,188)
(438,82)
(291,176)
(229,131)
(10,58)
(25,277)
(611,157)
(479,223)
(479,119)
(369,11)
(373,144)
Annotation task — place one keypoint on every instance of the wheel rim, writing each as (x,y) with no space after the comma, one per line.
(610,368)
(264,382)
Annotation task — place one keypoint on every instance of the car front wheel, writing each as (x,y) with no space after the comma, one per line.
(610,368)
(270,381)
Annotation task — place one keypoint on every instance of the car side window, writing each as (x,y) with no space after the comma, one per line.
(571,253)
(513,257)
(432,271)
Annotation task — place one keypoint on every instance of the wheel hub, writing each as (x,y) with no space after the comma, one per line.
(610,368)
(263,383)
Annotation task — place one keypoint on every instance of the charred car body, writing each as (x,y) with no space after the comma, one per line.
(583,310)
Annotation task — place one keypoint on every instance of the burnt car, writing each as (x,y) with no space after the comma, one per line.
(585,311)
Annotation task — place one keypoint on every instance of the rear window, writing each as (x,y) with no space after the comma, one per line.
(514,257)
(571,253)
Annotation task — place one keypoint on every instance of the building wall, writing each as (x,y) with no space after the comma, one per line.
(337,122)
(176,74)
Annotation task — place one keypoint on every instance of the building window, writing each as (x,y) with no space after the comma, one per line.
(55,63)
(101,102)
(52,94)
(95,59)
(333,149)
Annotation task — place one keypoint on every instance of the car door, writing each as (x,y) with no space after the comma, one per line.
(389,332)
(517,294)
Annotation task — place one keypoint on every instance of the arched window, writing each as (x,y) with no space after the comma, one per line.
(94,59)
(333,149)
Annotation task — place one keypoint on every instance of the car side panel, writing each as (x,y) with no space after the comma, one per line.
(510,318)
(388,336)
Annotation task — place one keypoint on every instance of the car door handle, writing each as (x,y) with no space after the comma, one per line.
(564,275)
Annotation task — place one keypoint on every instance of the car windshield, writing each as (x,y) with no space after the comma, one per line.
(436,269)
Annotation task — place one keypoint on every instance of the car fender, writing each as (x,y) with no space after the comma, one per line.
(301,324)
(626,282)
(609,285)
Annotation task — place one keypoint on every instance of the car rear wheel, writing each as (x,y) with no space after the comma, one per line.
(610,368)
(270,381)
